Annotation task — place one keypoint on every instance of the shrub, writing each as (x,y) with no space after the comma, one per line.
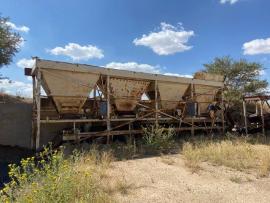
(158,138)
(51,178)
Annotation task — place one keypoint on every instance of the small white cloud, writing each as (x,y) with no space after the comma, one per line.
(78,52)
(16,88)
(262,72)
(21,44)
(29,78)
(18,28)
(169,40)
(25,63)
(178,75)
(257,46)
(133,66)
(228,1)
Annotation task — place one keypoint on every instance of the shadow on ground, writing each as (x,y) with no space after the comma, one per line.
(10,155)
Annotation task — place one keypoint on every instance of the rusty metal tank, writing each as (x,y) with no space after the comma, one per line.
(171,94)
(68,89)
(205,94)
(126,93)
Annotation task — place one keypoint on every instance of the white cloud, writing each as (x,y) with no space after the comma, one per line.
(145,68)
(78,52)
(21,44)
(178,75)
(228,1)
(25,63)
(16,88)
(168,40)
(262,72)
(257,46)
(133,66)
(18,28)
(29,78)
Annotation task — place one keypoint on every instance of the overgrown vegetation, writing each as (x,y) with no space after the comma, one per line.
(82,176)
(54,178)
(238,154)
(158,138)
(241,77)
(9,43)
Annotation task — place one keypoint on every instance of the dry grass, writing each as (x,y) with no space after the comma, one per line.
(238,154)
(236,179)
(113,185)
(167,160)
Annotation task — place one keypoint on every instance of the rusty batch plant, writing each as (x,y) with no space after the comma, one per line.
(85,101)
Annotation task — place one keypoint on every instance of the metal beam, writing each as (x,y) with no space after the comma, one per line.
(108,108)
(245,116)
(38,109)
(262,117)
(34,110)
(156,101)
(47,64)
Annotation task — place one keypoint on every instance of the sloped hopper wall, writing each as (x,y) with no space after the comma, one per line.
(126,93)
(171,94)
(68,89)
(206,94)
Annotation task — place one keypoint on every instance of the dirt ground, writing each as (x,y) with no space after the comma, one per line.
(167,179)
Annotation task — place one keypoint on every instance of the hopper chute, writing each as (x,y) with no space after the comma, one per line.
(171,94)
(127,93)
(206,94)
(68,89)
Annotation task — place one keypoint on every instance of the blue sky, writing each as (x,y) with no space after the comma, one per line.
(175,36)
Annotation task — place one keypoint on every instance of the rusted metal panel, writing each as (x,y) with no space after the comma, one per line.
(171,94)
(126,93)
(83,68)
(209,76)
(205,95)
(69,90)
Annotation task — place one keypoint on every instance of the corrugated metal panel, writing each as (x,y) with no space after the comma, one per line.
(69,90)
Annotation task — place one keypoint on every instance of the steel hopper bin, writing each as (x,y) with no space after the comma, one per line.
(68,89)
(206,94)
(126,93)
(171,94)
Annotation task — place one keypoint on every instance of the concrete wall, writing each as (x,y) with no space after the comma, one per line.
(16,124)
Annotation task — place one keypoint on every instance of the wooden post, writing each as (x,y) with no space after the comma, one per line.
(192,99)
(156,102)
(33,114)
(262,117)
(192,127)
(222,112)
(95,100)
(192,91)
(108,109)
(257,110)
(38,109)
(245,116)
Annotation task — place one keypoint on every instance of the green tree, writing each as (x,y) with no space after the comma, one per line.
(241,77)
(9,43)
